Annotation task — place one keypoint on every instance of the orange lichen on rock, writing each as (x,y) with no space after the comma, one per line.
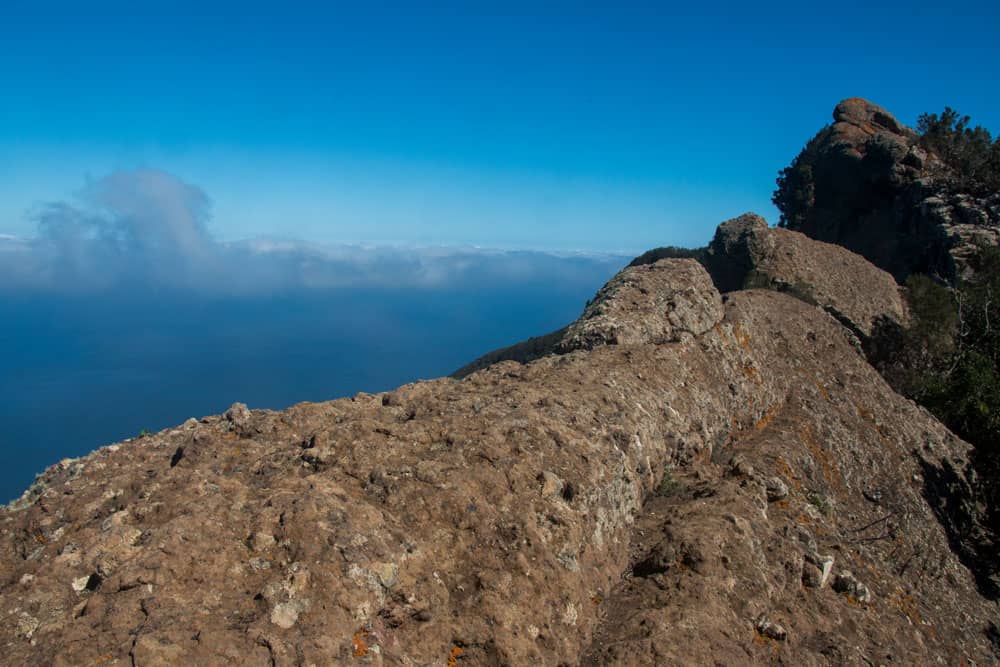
(822,390)
(453,658)
(742,337)
(827,466)
(786,470)
(766,418)
(358,642)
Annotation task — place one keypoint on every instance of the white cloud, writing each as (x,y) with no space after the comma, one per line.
(148,229)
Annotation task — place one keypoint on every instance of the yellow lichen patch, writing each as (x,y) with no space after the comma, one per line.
(453,658)
(358,642)
(103,658)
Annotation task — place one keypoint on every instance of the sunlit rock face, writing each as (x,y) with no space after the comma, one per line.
(747,254)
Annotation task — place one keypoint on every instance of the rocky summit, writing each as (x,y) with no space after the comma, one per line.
(866,183)
(688,478)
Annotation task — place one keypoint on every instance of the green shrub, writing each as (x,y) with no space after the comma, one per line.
(796,193)
(971,154)
(948,360)
(668,485)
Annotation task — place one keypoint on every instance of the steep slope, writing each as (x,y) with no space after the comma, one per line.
(692,481)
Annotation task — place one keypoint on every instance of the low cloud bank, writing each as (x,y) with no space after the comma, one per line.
(148,229)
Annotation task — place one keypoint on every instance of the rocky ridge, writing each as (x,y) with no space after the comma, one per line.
(744,253)
(694,479)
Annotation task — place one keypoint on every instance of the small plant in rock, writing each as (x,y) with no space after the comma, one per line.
(820,502)
(668,485)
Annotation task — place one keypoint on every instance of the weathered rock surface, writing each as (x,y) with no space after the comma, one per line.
(654,303)
(870,187)
(612,505)
(746,253)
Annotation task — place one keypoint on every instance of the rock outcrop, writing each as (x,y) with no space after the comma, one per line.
(694,481)
(746,253)
(865,183)
(662,302)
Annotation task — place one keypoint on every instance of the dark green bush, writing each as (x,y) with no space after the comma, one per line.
(948,360)
(971,154)
(796,193)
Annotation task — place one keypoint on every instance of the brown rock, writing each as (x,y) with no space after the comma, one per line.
(652,303)
(746,253)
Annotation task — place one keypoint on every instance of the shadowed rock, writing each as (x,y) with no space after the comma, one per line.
(865,183)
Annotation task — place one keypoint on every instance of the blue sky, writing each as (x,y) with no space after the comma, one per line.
(572,126)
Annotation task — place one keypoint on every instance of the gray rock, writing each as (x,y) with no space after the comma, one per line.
(747,254)
(845,582)
(770,629)
(776,488)
(662,302)
(816,570)
(26,625)
(238,417)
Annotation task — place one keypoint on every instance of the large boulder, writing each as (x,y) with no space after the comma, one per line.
(651,303)
(746,253)
(865,183)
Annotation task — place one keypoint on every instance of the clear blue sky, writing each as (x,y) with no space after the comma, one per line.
(570,126)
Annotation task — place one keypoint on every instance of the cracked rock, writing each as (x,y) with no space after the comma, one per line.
(846,583)
(816,570)
(771,630)
(776,489)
